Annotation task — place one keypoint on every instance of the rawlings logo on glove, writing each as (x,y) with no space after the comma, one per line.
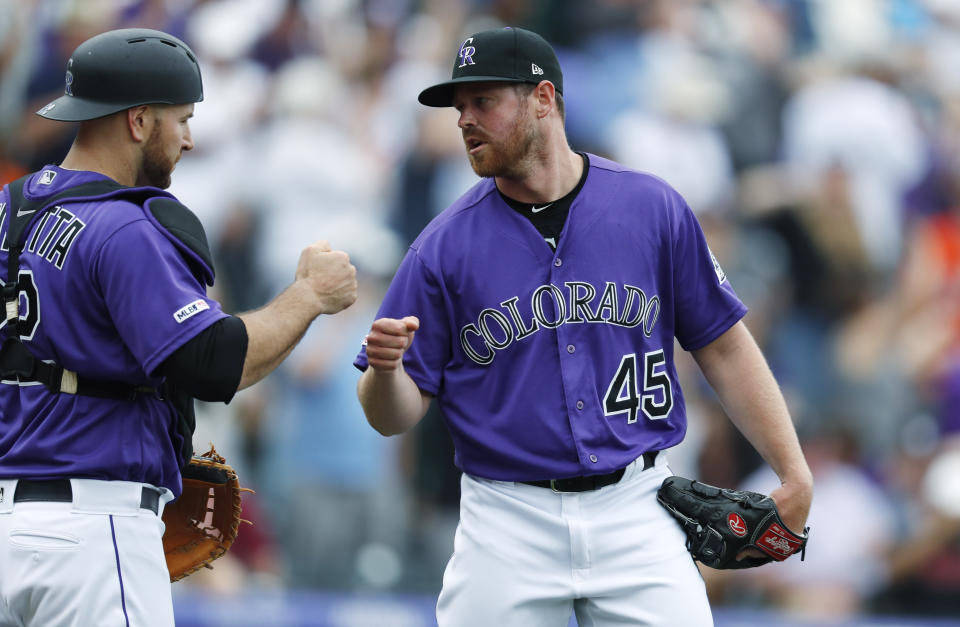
(203,523)
(720,523)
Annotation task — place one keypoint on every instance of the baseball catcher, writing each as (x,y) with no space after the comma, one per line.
(720,523)
(123,361)
(203,523)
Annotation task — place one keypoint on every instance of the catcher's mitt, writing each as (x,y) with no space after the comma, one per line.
(202,524)
(720,523)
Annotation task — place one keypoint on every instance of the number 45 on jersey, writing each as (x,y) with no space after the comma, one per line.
(629,393)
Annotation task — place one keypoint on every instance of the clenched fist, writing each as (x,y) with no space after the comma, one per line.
(388,340)
(330,275)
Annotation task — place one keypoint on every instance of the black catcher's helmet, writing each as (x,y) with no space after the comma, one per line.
(126,68)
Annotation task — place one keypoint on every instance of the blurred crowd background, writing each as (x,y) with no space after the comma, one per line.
(817,140)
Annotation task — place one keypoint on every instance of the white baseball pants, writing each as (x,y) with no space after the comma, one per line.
(526,556)
(96,561)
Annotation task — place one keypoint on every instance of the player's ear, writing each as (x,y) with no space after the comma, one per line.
(139,122)
(545,94)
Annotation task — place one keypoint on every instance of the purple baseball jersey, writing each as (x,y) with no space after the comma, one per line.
(556,364)
(113,299)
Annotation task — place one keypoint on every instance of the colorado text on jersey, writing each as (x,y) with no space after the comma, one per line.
(552,306)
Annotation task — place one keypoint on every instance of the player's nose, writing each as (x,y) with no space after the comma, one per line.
(466,119)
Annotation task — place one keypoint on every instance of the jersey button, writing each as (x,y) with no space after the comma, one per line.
(593,458)
(557,262)
(571,348)
(579,404)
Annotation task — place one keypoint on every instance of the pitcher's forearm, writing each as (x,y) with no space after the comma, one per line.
(391,400)
(760,412)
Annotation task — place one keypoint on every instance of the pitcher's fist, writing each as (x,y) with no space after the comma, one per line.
(388,340)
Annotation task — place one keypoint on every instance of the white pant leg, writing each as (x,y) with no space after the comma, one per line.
(148,597)
(640,571)
(511,560)
(525,555)
(60,566)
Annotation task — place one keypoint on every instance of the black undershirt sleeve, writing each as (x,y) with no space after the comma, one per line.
(209,366)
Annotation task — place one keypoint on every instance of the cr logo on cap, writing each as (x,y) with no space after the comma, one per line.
(466,53)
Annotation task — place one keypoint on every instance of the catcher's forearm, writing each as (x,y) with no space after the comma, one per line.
(391,400)
(738,372)
(274,330)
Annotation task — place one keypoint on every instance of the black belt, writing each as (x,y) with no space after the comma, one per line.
(59,491)
(590,482)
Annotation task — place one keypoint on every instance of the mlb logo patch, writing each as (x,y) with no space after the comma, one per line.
(721,275)
(46,177)
(188,311)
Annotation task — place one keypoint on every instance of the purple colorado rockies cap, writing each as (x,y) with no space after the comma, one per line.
(506,54)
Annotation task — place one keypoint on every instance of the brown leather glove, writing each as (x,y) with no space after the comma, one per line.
(203,523)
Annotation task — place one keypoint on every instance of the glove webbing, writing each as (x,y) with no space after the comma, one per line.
(709,539)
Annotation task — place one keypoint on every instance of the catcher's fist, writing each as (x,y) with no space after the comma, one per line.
(330,275)
(388,340)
